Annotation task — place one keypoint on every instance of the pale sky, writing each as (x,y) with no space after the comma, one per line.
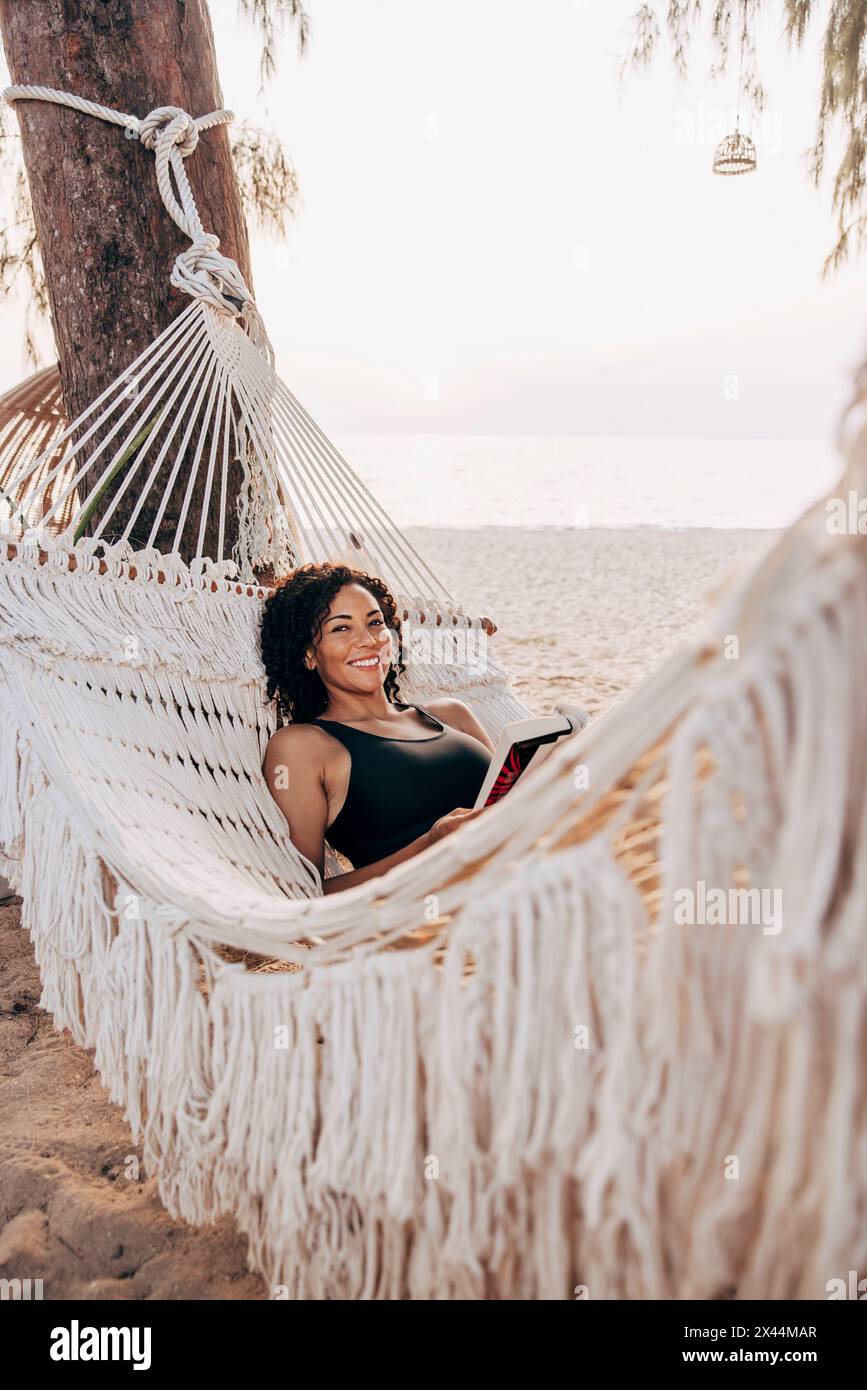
(494,236)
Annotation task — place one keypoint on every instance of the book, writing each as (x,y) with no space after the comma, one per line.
(524,744)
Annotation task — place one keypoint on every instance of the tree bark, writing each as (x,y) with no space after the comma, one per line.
(107,241)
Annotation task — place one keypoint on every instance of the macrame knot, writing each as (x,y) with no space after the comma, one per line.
(205,273)
(171,123)
(204,568)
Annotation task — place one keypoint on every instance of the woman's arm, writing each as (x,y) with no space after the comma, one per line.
(294,770)
(378,867)
(444,826)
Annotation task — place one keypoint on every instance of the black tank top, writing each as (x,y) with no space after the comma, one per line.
(398,787)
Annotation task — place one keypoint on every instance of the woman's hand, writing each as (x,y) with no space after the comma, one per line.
(453,821)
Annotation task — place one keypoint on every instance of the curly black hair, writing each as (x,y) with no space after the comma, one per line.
(292,617)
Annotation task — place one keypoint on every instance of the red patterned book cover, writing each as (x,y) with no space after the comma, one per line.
(517,761)
(525,743)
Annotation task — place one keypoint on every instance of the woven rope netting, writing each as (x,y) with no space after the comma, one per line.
(507,1067)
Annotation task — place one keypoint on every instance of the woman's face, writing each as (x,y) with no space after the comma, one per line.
(353,651)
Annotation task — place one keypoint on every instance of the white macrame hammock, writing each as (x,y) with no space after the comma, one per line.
(502,1070)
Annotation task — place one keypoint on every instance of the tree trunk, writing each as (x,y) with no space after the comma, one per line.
(107,241)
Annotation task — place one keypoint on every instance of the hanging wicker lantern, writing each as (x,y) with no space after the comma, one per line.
(736,154)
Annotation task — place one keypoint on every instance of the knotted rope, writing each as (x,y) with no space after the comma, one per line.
(201,271)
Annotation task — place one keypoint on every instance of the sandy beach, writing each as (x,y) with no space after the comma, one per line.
(583,616)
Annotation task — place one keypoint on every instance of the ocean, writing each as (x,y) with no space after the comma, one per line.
(472,481)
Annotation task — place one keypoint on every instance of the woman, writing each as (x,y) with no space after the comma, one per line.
(380,779)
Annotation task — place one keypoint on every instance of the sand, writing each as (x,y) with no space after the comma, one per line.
(583,616)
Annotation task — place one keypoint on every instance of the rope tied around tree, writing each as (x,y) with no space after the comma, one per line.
(172,134)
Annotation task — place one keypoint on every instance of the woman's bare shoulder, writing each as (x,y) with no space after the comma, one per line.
(446,704)
(458,715)
(452,711)
(294,741)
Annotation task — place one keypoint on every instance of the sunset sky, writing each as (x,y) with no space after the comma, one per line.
(495,236)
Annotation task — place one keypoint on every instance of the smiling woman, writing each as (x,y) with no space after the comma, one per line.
(380,779)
